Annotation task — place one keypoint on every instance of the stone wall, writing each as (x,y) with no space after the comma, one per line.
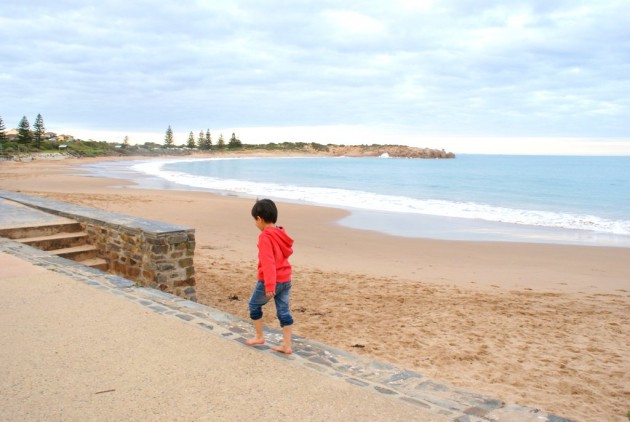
(151,253)
(163,261)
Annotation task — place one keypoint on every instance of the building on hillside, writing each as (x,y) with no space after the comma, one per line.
(50,136)
(65,138)
(47,136)
(11,134)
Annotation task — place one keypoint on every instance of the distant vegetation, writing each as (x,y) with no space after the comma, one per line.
(25,140)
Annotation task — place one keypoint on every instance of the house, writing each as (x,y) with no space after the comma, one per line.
(50,136)
(65,138)
(11,134)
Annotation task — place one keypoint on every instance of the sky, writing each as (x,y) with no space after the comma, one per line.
(482,76)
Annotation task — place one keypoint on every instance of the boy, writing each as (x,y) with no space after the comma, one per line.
(274,274)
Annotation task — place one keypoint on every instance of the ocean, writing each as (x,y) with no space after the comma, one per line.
(549,199)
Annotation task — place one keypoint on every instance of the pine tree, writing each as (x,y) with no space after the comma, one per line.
(126,142)
(208,143)
(234,142)
(3,135)
(168,139)
(191,140)
(204,141)
(38,130)
(221,142)
(25,136)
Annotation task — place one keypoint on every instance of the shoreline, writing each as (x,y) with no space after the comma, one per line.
(400,224)
(541,325)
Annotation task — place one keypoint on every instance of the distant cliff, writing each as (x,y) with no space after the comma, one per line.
(334,150)
(394,151)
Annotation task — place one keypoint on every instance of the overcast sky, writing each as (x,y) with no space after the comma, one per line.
(469,76)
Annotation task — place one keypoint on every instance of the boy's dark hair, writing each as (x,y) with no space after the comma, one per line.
(265,209)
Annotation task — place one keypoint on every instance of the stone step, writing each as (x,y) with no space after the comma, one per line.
(39,231)
(56,241)
(98,263)
(76,253)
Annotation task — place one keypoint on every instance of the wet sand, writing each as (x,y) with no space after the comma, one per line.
(535,324)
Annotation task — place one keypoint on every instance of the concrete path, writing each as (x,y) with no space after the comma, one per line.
(73,352)
(13,214)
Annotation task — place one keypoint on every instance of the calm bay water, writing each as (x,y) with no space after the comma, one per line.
(559,199)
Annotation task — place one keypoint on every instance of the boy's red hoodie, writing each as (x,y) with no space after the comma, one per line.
(274,250)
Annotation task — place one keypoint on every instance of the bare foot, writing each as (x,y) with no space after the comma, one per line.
(255,340)
(283,349)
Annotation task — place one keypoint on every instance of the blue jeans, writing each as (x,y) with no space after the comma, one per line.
(281,298)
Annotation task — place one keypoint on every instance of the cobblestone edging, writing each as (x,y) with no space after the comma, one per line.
(152,253)
(457,405)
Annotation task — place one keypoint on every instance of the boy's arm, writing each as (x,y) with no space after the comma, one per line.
(268,264)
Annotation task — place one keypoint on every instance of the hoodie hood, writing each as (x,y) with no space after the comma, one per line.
(280,238)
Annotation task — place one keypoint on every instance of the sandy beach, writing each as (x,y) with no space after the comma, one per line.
(540,325)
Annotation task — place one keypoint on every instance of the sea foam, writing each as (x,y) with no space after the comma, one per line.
(354,199)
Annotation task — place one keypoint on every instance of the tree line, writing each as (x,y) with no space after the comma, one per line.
(34,137)
(203,141)
(26,135)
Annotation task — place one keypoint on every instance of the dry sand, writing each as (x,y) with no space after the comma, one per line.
(544,326)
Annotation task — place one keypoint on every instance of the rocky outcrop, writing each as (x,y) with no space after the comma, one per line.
(393,151)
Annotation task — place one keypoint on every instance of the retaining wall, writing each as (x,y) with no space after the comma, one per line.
(152,253)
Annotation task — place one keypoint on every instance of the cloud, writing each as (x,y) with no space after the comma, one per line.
(346,24)
(439,68)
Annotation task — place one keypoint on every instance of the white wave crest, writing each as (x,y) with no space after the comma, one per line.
(350,199)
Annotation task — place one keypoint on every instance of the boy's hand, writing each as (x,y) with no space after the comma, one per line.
(270,295)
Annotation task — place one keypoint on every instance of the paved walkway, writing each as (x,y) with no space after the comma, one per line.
(13,214)
(76,346)
(80,344)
